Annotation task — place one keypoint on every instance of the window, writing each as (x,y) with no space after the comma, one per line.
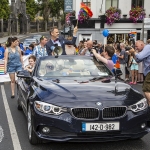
(137,3)
(111,3)
(87,3)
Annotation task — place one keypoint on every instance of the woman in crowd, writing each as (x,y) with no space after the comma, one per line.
(13,61)
(134,70)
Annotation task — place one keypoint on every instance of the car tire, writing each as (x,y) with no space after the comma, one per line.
(19,107)
(33,139)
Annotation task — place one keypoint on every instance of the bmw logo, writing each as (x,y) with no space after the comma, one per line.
(99,104)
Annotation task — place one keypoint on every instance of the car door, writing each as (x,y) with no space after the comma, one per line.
(23,89)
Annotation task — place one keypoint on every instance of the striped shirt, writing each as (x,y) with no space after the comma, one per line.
(40,51)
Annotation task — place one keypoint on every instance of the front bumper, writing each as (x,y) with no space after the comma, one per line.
(67,128)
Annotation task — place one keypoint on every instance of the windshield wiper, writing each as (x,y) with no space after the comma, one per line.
(99,78)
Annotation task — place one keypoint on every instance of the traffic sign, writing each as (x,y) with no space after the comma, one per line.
(68,5)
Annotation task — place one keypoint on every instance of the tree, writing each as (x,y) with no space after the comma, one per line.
(4,9)
(56,6)
(32,8)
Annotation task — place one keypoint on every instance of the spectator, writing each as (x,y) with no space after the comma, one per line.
(70,49)
(143,55)
(107,59)
(21,45)
(13,61)
(134,70)
(40,50)
(122,60)
(29,50)
(81,46)
(2,51)
(88,48)
(140,72)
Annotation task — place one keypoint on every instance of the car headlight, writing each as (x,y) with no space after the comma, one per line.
(139,106)
(49,108)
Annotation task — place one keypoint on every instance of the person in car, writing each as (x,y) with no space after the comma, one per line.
(59,41)
(40,50)
(32,61)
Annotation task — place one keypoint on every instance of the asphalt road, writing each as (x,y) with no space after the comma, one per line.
(13,131)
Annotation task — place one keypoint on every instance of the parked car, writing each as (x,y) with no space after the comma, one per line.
(28,41)
(67,30)
(37,36)
(72,98)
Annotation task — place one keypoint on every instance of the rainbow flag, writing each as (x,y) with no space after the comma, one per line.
(86,9)
(85,13)
(2,69)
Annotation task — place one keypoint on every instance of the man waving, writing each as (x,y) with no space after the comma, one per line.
(60,41)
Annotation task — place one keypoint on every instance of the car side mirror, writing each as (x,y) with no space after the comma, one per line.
(24,74)
(117,72)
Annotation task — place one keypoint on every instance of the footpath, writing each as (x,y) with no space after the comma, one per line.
(4,39)
(20,36)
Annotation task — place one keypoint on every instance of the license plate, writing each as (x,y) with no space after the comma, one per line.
(104,126)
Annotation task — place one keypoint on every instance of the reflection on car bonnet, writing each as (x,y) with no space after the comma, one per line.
(49,67)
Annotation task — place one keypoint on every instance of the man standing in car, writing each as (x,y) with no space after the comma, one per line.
(40,50)
(143,55)
(60,41)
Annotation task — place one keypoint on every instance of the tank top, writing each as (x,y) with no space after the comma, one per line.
(13,57)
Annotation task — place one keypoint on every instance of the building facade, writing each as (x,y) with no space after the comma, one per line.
(118,31)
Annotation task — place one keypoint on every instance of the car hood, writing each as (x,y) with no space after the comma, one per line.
(72,92)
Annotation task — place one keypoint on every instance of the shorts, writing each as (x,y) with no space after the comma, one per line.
(14,69)
(134,67)
(146,84)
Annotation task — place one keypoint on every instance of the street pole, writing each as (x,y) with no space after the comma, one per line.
(143,30)
(64,23)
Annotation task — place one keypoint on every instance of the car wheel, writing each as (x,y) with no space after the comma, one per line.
(31,134)
(18,101)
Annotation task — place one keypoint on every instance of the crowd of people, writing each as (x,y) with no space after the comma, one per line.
(115,55)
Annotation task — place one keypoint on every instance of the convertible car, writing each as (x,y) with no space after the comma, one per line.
(77,98)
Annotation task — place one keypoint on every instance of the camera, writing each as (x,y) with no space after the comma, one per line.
(94,47)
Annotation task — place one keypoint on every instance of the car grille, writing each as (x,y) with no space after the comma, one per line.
(114,112)
(85,113)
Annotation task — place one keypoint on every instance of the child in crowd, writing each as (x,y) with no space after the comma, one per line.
(32,61)
(134,70)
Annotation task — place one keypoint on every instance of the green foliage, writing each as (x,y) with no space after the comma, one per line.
(56,7)
(4,9)
(32,8)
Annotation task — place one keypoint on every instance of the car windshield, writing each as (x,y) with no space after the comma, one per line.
(30,40)
(71,67)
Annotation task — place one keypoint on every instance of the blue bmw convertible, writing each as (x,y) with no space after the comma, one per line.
(77,98)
